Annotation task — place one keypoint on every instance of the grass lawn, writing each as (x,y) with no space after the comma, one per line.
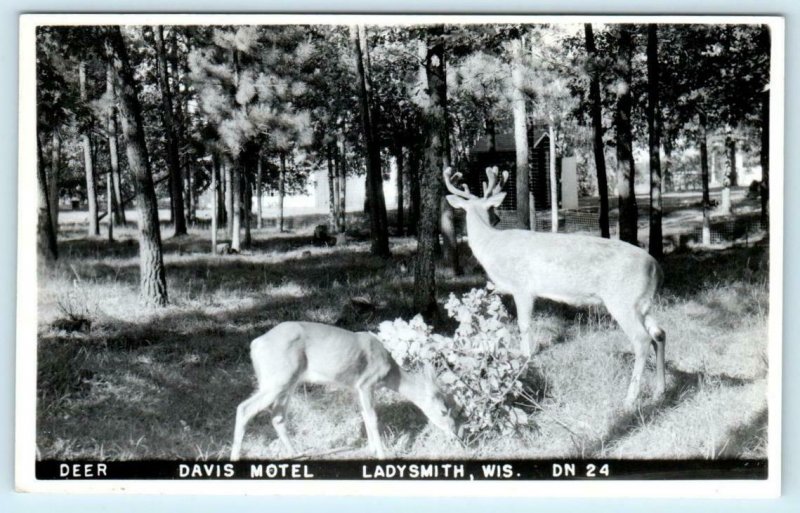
(164,383)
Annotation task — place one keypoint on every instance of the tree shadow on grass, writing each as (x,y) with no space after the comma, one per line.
(687,274)
(683,386)
(749,439)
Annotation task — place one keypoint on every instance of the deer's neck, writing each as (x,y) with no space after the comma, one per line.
(480,234)
(412,387)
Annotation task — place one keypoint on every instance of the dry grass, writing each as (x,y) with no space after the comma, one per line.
(164,384)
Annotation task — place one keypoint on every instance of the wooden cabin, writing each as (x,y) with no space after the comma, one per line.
(501,151)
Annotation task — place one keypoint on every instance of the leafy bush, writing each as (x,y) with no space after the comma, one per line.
(476,365)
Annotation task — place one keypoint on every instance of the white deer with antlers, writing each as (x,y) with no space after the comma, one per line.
(575,269)
(310,352)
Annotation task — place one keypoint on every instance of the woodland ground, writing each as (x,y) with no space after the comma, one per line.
(164,383)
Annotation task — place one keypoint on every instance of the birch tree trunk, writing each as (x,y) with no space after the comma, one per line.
(520,137)
(706,201)
(88,163)
(236,208)
(341,236)
(228,170)
(247,206)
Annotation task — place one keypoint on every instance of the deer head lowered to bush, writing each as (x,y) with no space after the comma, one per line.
(575,269)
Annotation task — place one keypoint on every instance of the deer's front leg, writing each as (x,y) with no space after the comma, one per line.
(371,421)
(524,302)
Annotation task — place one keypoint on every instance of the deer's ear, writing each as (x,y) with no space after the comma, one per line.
(456,201)
(496,199)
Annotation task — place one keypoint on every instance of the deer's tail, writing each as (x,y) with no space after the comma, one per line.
(655,331)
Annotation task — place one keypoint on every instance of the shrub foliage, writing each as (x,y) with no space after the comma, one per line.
(477,365)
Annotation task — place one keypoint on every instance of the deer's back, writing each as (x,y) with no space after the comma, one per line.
(318,353)
(576,269)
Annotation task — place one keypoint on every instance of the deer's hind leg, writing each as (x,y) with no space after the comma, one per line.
(633,325)
(659,342)
(279,420)
(248,409)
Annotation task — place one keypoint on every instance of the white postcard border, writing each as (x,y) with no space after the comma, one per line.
(26,357)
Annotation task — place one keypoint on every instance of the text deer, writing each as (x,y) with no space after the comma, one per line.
(574,269)
(309,352)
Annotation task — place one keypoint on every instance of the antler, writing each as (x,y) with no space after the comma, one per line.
(448,174)
(493,186)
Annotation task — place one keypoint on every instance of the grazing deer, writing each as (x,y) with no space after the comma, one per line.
(309,352)
(574,269)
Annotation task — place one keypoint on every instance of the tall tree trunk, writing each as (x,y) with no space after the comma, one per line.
(430,175)
(228,186)
(117,178)
(656,245)
(730,175)
(220,192)
(447,225)
(597,125)
(332,186)
(281,190)
(214,202)
(88,163)
(247,205)
(236,209)
(173,155)
(706,201)
(667,167)
(764,188)
(47,243)
(378,220)
(181,111)
(342,160)
(189,193)
(553,181)
(626,171)
(53,179)
(414,161)
(151,263)
(713,169)
(703,125)
(114,208)
(110,206)
(520,136)
(259,188)
(400,163)
(733,173)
